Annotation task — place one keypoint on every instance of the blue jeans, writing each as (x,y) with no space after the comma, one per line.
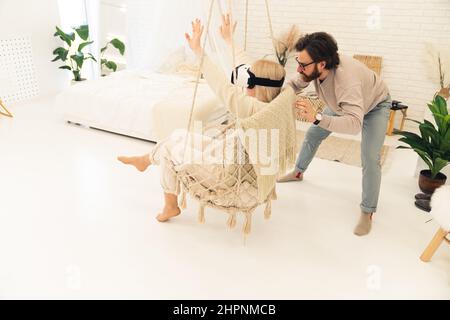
(373,134)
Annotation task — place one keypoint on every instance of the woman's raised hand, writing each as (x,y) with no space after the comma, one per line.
(227,28)
(194,39)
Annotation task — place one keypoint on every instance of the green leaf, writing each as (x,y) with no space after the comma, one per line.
(119,45)
(78,58)
(58,50)
(66,37)
(428,132)
(65,67)
(83,32)
(425,133)
(441,105)
(90,56)
(430,124)
(439,164)
(111,65)
(432,107)
(447,136)
(415,145)
(409,135)
(412,120)
(104,48)
(425,158)
(84,44)
(61,53)
(414,140)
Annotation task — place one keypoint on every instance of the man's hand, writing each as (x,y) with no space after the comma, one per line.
(227,28)
(194,40)
(306,110)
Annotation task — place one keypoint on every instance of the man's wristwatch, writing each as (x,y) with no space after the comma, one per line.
(318,118)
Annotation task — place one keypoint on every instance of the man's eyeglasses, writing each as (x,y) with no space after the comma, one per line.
(303,66)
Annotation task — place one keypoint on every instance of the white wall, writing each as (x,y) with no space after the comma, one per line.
(35,19)
(393,29)
(156,30)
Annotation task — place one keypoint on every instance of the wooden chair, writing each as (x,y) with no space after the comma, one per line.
(439,237)
(5,111)
(440,210)
(374,63)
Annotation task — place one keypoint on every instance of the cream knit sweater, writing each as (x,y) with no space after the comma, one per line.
(274,123)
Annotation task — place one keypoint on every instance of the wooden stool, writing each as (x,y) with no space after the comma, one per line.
(396,106)
(428,253)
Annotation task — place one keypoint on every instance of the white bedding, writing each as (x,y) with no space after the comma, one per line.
(138,104)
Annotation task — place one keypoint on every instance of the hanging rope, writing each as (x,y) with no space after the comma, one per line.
(246,25)
(238,123)
(197,82)
(270,27)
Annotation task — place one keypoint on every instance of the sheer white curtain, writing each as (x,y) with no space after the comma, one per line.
(155,28)
(93,20)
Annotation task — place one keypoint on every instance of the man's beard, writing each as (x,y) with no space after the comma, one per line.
(316,74)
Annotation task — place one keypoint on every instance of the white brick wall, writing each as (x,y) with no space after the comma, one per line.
(394,29)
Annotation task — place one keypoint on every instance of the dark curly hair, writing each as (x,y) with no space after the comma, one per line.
(321,47)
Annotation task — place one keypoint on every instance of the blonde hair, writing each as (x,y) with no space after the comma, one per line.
(270,70)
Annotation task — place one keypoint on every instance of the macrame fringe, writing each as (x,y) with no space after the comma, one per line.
(268,210)
(201,213)
(231,223)
(248,223)
(183,200)
(274,194)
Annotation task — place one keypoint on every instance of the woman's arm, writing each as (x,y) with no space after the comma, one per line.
(238,102)
(226,31)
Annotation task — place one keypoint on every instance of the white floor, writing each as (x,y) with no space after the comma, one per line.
(74,223)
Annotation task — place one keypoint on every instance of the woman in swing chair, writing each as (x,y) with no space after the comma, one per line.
(265,84)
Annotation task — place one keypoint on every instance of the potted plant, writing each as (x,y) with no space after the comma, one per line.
(73,56)
(432,145)
(108,64)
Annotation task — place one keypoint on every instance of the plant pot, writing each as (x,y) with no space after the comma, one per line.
(444,93)
(428,185)
(74,82)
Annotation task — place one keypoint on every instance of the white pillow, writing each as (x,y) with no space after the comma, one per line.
(440,207)
(172,60)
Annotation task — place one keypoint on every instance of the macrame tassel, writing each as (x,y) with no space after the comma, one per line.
(248,223)
(183,200)
(201,213)
(268,211)
(232,220)
(274,194)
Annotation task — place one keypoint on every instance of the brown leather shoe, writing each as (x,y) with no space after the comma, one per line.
(423,205)
(423,196)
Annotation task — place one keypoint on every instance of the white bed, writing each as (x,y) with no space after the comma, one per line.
(145,105)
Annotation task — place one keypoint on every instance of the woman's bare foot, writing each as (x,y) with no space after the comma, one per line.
(168,212)
(141,163)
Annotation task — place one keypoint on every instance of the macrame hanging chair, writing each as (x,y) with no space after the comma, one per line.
(236,191)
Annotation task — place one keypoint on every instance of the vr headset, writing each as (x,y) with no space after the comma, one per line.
(247,79)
